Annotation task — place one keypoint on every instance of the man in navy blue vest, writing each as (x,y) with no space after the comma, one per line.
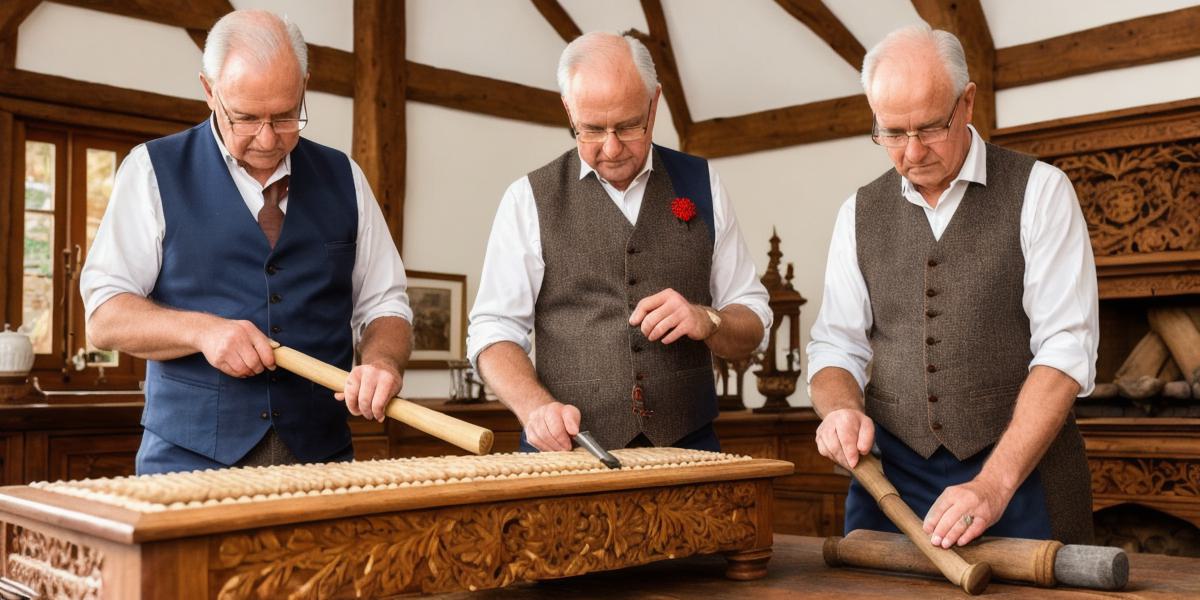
(626,259)
(235,230)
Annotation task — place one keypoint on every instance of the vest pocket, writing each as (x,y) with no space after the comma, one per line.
(183,411)
(991,409)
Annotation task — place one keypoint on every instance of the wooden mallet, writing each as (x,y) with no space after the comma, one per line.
(973,578)
(471,438)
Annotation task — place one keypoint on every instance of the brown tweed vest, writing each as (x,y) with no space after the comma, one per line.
(950,334)
(598,267)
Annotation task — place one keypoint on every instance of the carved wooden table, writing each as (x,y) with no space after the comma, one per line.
(798,571)
(378,528)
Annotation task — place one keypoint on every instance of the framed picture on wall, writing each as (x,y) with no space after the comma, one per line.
(439,303)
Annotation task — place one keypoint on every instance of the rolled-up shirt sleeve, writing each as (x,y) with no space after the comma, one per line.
(1060,295)
(513,269)
(840,335)
(380,287)
(126,254)
(733,279)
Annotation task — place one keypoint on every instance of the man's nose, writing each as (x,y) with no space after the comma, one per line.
(612,146)
(915,150)
(266,137)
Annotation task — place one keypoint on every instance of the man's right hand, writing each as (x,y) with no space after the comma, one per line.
(236,348)
(549,427)
(845,435)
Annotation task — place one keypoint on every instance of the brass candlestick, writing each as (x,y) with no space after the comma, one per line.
(785,302)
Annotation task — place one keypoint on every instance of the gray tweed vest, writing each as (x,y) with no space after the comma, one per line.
(950,335)
(598,266)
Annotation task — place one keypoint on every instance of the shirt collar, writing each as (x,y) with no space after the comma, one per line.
(974,168)
(585,169)
(284,168)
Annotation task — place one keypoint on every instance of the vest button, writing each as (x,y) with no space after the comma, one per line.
(276,329)
(637,348)
(932,313)
(274,378)
(275,413)
(264,416)
(640,376)
(276,298)
(632,281)
(930,293)
(933,398)
(936,426)
(272,269)
(932,262)
(931,369)
(928,341)
(632,250)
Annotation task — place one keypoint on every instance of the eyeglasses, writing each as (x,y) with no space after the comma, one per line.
(624,134)
(252,128)
(895,138)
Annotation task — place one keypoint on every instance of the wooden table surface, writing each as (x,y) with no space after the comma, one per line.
(798,571)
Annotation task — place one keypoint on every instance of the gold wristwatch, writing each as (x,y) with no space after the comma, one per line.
(713,316)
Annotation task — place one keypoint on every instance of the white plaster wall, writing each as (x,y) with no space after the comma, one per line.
(734,56)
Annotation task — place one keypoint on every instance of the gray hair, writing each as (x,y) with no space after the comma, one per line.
(948,48)
(260,33)
(579,50)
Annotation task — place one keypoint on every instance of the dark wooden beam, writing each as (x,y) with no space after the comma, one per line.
(658,41)
(8,52)
(558,18)
(12,14)
(822,21)
(379,80)
(8,184)
(27,85)
(780,127)
(965,19)
(1140,41)
(483,95)
(187,14)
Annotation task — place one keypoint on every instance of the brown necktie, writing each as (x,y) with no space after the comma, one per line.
(270,218)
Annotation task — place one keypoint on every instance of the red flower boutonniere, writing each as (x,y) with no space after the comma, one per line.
(683,209)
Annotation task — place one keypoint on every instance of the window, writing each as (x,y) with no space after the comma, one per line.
(68,176)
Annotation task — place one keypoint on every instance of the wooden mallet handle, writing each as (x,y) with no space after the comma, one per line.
(467,436)
(973,578)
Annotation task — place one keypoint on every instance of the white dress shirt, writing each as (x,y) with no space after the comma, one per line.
(126,255)
(513,268)
(1060,295)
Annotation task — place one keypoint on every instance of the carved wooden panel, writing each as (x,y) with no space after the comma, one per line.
(88,456)
(54,567)
(1145,477)
(1139,199)
(483,546)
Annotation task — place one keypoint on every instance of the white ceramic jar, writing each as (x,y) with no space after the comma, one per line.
(16,353)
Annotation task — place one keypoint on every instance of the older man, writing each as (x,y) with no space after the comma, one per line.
(626,260)
(235,229)
(965,278)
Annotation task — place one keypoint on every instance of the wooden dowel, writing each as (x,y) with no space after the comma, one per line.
(467,436)
(972,578)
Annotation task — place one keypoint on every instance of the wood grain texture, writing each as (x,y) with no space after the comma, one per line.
(379,80)
(484,95)
(52,89)
(1145,40)
(817,17)
(658,42)
(780,127)
(558,18)
(965,19)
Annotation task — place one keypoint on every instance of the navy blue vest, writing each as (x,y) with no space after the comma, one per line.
(215,259)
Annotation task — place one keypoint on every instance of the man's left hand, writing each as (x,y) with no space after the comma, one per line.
(369,389)
(667,315)
(983,500)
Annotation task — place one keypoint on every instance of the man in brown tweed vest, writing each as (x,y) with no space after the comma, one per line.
(626,261)
(959,318)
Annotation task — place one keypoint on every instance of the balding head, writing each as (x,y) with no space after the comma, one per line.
(915,57)
(607,60)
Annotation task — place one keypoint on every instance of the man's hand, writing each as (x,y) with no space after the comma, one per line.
(550,427)
(369,389)
(983,500)
(844,435)
(669,316)
(236,348)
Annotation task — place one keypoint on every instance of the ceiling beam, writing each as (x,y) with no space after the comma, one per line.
(176,13)
(658,41)
(53,89)
(1140,41)
(965,19)
(817,17)
(780,127)
(558,18)
(484,95)
(379,81)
